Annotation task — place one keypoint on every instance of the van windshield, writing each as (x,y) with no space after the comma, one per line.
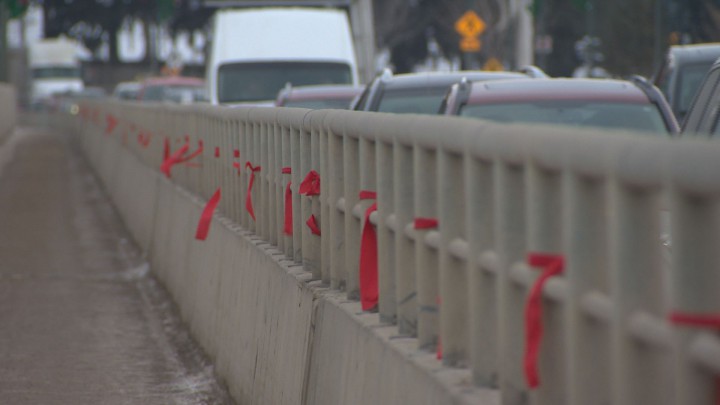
(56,72)
(239,82)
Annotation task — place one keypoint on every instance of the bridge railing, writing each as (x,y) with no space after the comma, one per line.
(629,227)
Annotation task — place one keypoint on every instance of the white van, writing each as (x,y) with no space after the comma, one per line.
(255,52)
(55,68)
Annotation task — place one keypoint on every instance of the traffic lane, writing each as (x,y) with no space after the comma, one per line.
(83,320)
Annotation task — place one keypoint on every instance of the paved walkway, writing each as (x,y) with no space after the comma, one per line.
(81,320)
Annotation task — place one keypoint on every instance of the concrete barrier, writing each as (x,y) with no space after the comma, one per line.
(275,336)
(502,196)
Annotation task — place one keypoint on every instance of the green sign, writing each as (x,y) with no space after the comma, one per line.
(16,8)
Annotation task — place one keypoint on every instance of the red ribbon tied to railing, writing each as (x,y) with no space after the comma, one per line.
(173,159)
(166,148)
(248,198)
(709,321)
(552,265)
(288,228)
(311,184)
(313,225)
(217,151)
(179,157)
(111,122)
(198,151)
(144,139)
(368,257)
(425,223)
(206,217)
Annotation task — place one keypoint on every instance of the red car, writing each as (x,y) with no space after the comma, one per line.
(604,103)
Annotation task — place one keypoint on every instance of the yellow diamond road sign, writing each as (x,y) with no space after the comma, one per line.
(470,44)
(470,24)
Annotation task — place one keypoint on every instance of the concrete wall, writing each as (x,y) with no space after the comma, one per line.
(275,336)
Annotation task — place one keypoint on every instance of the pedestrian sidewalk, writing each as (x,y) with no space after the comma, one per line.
(83,321)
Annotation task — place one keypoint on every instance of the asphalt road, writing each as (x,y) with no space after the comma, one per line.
(81,319)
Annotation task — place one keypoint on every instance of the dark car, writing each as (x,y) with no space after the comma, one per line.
(318,97)
(603,103)
(419,93)
(173,89)
(703,116)
(682,72)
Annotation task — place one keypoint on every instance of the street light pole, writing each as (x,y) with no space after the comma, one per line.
(4,18)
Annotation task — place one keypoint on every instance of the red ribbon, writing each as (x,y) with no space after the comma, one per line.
(144,139)
(217,152)
(166,148)
(368,257)
(552,265)
(204,224)
(711,321)
(174,159)
(248,199)
(236,153)
(313,225)
(425,223)
(288,228)
(311,184)
(111,122)
(699,320)
(193,155)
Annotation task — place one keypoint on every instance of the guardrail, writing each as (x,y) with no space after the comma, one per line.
(8,114)
(460,207)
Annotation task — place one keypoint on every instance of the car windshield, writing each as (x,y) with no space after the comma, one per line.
(337,104)
(632,116)
(412,101)
(689,79)
(56,72)
(242,82)
(174,93)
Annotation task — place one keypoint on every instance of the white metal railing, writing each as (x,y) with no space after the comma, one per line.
(497,193)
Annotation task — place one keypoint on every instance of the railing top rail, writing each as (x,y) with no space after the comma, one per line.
(638,161)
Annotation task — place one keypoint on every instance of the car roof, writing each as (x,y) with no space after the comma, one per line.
(696,52)
(555,89)
(321,92)
(443,79)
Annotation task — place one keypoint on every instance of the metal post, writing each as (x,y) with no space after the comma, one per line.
(4,18)
(482,293)
(588,339)
(426,257)
(510,231)
(544,213)
(641,373)
(404,247)
(454,325)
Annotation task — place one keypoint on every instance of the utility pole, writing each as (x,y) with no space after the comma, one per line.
(524,47)
(361,19)
(4,18)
